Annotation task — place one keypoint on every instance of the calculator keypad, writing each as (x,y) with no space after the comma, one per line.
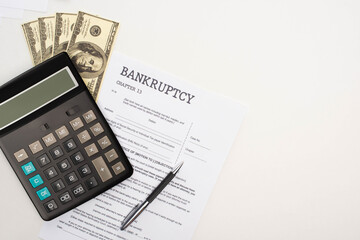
(74,158)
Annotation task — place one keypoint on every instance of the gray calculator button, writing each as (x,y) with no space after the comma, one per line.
(49,139)
(64,165)
(43,160)
(50,173)
(111,155)
(78,190)
(58,185)
(56,152)
(21,155)
(91,183)
(65,197)
(118,168)
(69,145)
(84,136)
(104,142)
(97,129)
(89,116)
(91,149)
(35,147)
(84,170)
(50,206)
(77,158)
(76,123)
(102,169)
(62,132)
(71,178)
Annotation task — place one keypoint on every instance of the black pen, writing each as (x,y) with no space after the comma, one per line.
(139,208)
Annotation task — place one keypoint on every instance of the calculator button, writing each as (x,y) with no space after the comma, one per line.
(76,123)
(65,197)
(111,155)
(50,206)
(73,110)
(43,160)
(58,185)
(102,169)
(28,168)
(50,173)
(77,158)
(35,147)
(21,155)
(69,145)
(89,116)
(56,152)
(71,178)
(104,142)
(64,165)
(78,190)
(49,139)
(36,181)
(97,129)
(91,183)
(118,168)
(84,136)
(84,170)
(43,193)
(91,149)
(62,132)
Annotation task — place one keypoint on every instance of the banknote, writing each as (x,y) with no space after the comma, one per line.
(64,25)
(46,29)
(31,32)
(90,47)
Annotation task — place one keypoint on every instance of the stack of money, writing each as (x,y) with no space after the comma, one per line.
(88,40)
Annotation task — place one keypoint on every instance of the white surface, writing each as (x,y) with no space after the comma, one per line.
(293,172)
(34,5)
(11,12)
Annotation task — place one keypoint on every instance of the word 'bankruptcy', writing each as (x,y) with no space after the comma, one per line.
(157,85)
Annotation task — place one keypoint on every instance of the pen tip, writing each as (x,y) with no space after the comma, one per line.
(177,168)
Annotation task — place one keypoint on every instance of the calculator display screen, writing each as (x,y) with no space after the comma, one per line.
(36,96)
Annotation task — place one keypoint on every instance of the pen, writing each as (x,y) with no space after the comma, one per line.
(139,208)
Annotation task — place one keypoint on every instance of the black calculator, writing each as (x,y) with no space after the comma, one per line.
(56,139)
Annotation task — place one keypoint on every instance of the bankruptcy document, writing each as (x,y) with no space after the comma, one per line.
(159,121)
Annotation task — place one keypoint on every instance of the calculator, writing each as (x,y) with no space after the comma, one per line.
(56,139)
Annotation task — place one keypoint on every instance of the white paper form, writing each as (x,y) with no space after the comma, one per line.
(159,121)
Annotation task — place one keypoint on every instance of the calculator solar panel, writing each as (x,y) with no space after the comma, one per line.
(56,139)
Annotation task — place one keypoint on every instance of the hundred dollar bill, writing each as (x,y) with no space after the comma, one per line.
(64,25)
(31,32)
(46,29)
(90,48)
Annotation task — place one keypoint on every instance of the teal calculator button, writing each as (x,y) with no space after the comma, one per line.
(28,168)
(43,193)
(36,181)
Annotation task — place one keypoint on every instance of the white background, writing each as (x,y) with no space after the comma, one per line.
(293,172)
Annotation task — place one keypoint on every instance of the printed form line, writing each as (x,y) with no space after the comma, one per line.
(133,123)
